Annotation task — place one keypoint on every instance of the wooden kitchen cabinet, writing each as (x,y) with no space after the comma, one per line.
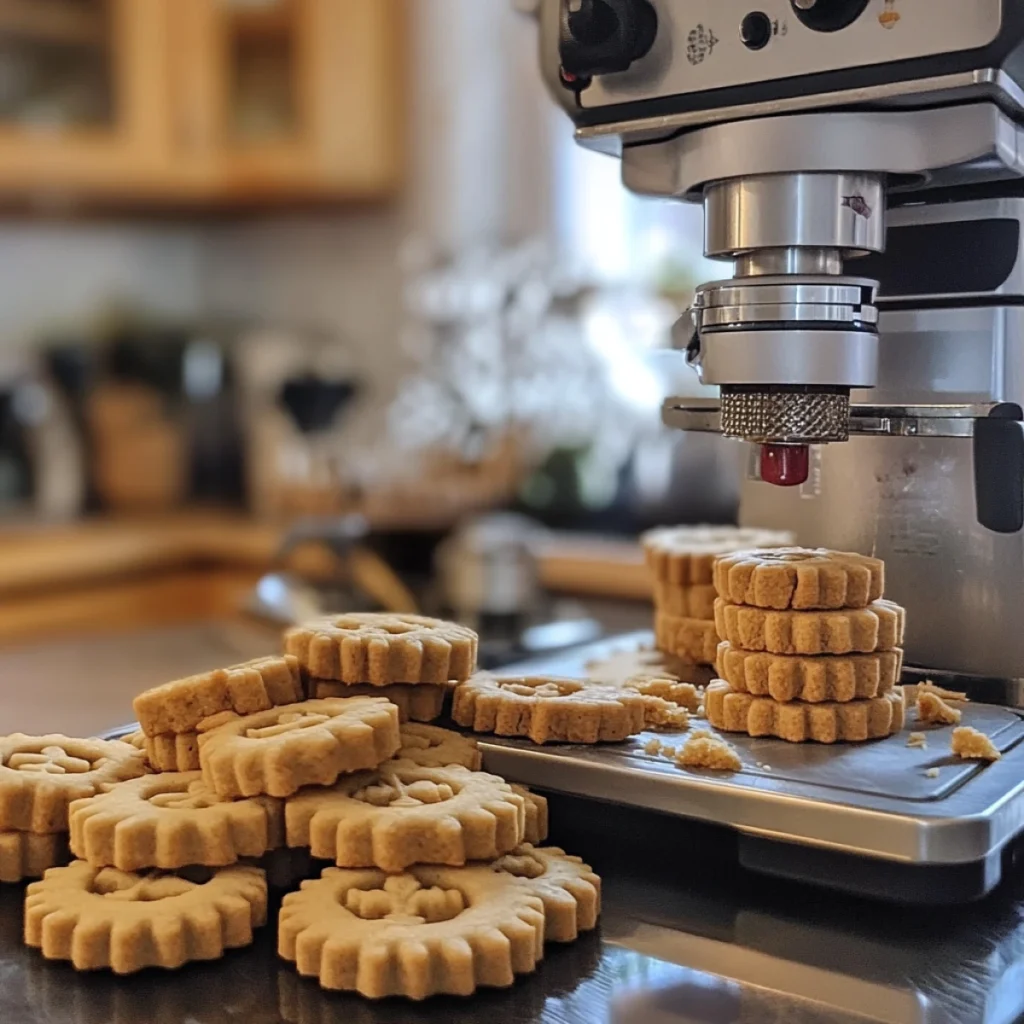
(205,101)
(291,98)
(84,102)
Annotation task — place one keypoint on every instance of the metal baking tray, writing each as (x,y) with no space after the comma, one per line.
(864,818)
(808,810)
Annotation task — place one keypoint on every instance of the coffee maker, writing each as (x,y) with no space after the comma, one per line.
(859,164)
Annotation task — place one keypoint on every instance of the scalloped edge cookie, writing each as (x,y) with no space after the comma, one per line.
(582,712)
(68,919)
(796,722)
(879,627)
(256,685)
(381,649)
(814,679)
(804,579)
(482,820)
(355,733)
(38,801)
(685,555)
(498,933)
(123,828)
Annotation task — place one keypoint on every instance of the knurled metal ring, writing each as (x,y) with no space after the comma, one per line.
(777,416)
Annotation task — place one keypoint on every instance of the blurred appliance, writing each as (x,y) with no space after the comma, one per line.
(161,419)
(42,471)
(487,570)
(356,578)
(488,578)
(802,127)
(295,389)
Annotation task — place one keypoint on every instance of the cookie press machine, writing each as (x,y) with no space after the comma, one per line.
(859,163)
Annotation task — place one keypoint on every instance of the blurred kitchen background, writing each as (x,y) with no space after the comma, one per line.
(315,304)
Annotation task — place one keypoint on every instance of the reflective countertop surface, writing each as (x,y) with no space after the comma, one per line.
(686,936)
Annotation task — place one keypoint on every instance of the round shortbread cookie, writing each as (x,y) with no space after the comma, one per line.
(800,578)
(244,689)
(41,775)
(428,745)
(383,649)
(684,555)
(281,750)
(825,677)
(797,722)
(104,918)
(697,602)
(691,640)
(433,931)
(26,855)
(415,702)
(172,820)
(429,931)
(879,627)
(405,813)
(547,709)
(173,751)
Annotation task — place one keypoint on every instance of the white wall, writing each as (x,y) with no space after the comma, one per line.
(55,276)
(479,135)
(480,126)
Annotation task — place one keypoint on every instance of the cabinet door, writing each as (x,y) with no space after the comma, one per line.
(290,99)
(84,97)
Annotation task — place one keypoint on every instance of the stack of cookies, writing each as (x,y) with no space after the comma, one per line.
(438,886)
(681,560)
(809,651)
(409,659)
(40,776)
(169,715)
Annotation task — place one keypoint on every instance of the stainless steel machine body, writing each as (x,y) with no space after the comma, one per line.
(804,126)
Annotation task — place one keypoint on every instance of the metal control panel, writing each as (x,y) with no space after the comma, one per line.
(702,45)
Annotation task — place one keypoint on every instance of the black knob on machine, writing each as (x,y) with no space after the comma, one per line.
(598,37)
(829,15)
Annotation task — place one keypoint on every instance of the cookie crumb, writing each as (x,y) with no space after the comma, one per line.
(929,687)
(668,751)
(706,750)
(918,739)
(664,714)
(932,708)
(970,744)
(932,773)
(671,690)
(652,746)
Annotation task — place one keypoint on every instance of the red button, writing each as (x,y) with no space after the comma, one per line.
(785,465)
